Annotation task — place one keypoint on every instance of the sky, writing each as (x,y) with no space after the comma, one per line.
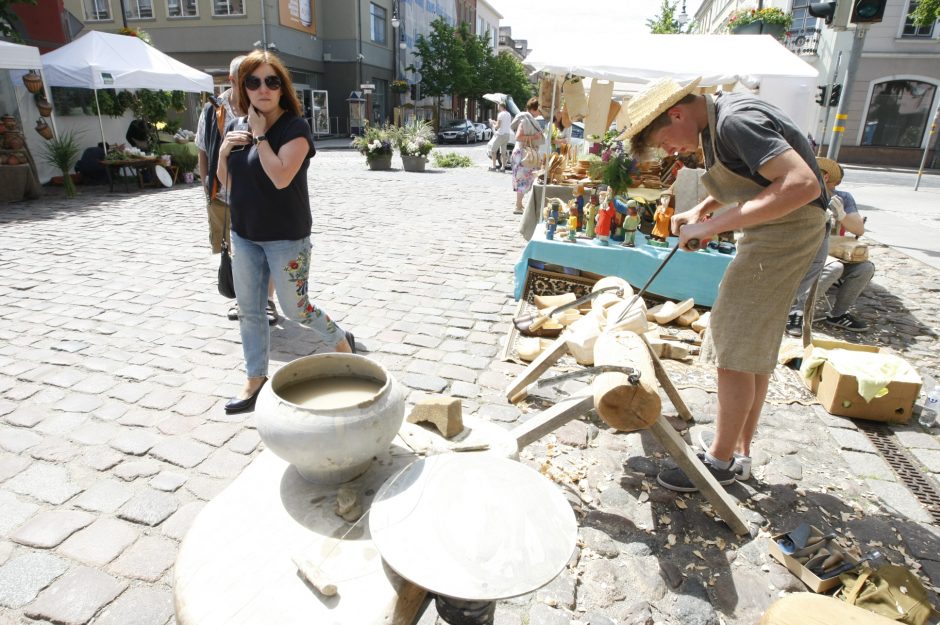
(545,21)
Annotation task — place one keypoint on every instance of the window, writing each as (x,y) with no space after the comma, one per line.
(802,20)
(138,9)
(377,18)
(228,7)
(913,31)
(898,113)
(182,8)
(97,10)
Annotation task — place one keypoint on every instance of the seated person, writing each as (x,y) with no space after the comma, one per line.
(850,279)
(138,134)
(90,166)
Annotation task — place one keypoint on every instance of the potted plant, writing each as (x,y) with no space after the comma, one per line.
(62,152)
(615,168)
(376,144)
(769,21)
(187,162)
(398,86)
(414,143)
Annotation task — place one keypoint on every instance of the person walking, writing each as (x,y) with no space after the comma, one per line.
(215,117)
(265,157)
(499,145)
(528,134)
(762,171)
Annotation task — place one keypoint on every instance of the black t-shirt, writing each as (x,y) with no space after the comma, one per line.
(260,211)
(750,132)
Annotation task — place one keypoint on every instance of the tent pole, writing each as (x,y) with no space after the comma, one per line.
(104,143)
(548,146)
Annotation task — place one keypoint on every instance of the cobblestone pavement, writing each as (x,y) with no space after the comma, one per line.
(116,358)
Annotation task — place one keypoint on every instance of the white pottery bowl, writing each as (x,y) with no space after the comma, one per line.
(330,446)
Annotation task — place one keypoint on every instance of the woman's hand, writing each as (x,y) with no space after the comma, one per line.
(233,139)
(256,121)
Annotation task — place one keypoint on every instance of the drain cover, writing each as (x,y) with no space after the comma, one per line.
(923,487)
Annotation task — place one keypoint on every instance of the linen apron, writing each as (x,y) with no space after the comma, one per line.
(750,312)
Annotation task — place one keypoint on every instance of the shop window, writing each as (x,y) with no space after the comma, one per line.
(377,18)
(182,8)
(228,7)
(138,9)
(913,31)
(97,10)
(898,113)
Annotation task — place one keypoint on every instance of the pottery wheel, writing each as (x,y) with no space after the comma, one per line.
(473,526)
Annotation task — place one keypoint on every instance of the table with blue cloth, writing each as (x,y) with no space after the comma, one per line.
(688,274)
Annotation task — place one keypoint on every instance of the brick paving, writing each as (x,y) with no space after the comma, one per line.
(116,358)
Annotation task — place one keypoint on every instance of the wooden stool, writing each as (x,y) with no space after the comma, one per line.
(806,608)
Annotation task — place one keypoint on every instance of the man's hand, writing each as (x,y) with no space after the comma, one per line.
(837,206)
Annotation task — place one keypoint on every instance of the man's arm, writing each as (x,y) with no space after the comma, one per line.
(204,169)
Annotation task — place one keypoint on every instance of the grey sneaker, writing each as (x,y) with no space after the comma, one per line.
(741,465)
(847,322)
(676,480)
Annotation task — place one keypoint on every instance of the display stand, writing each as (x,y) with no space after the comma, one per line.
(567,410)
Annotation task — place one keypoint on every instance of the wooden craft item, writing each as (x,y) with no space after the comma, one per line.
(550,301)
(652,312)
(546,87)
(671,310)
(575,100)
(848,249)
(529,348)
(569,316)
(581,337)
(598,108)
(634,320)
(516,390)
(604,301)
(701,323)
(617,281)
(612,112)
(314,576)
(807,608)
(622,405)
(669,349)
(687,318)
(623,116)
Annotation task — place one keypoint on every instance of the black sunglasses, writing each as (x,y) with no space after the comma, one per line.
(253,83)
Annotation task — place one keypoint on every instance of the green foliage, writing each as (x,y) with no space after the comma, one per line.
(185,160)
(507,75)
(62,152)
(451,159)
(7,17)
(375,141)
(615,167)
(666,23)
(770,15)
(928,11)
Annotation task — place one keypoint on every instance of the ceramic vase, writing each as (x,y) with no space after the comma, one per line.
(381,163)
(413,163)
(9,122)
(330,446)
(13,140)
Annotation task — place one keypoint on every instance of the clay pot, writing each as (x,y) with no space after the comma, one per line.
(44,106)
(13,140)
(14,159)
(9,122)
(330,445)
(33,81)
(43,128)
(3,159)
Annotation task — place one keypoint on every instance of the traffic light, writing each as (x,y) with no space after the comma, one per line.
(868,11)
(836,13)
(414,92)
(834,94)
(823,94)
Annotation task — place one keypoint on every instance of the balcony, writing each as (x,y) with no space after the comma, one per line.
(803,42)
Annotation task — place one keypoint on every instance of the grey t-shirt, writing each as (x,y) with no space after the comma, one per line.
(750,133)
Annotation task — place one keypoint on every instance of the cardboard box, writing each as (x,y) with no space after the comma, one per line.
(804,574)
(838,393)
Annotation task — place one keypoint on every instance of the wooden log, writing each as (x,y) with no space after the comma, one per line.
(622,405)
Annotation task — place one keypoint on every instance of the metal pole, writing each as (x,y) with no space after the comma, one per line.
(933,129)
(264,30)
(838,128)
(548,147)
(101,124)
(835,77)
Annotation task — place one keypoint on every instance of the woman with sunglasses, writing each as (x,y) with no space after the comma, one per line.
(263,162)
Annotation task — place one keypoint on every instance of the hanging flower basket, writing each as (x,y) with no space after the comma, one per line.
(398,86)
(33,81)
(44,106)
(44,130)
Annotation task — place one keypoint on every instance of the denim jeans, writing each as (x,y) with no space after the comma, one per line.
(288,264)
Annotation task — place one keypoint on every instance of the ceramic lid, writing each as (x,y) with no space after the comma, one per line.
(473,526)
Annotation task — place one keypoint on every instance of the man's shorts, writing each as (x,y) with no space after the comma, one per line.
(219,215)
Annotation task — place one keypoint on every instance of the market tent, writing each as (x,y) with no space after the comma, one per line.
(15,56)
(758,62)
(107,61)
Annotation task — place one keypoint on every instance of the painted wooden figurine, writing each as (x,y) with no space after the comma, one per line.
(630,223)
(591,210)
(604,217)
(662,217)
(572,222)
(551,223)
(579,201)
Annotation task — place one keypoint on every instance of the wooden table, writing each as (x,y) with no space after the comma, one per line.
(140,165)
(235,564)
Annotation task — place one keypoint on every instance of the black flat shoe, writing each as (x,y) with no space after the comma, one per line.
(236,405)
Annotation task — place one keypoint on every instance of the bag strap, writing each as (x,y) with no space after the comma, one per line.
(853,594)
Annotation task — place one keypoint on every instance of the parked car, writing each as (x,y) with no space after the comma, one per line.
(484,132)
(459,131)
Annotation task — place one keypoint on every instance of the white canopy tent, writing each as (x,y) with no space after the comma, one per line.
(758,62)
(16,56)
(106,61)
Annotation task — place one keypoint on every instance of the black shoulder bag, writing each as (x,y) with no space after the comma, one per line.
(226,280)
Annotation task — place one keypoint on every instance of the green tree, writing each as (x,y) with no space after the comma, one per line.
(7,17)
(441,54)
(666,23)
(507,75)
(927,12)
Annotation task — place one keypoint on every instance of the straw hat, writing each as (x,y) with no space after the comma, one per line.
(829,166)
(657,98)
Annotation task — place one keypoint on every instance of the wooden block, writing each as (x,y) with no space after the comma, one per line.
(701,323)
(687,318)
(314,576)
(671,310)
(551,301)
(806,608)
(444,412)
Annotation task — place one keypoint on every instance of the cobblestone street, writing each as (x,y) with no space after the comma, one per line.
(116,358)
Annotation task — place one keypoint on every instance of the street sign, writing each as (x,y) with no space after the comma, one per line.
(368,86)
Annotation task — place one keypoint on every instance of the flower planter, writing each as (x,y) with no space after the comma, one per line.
(380,163)
(413,163)
(760,28)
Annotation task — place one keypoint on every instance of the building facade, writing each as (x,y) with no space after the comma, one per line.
(896,90)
